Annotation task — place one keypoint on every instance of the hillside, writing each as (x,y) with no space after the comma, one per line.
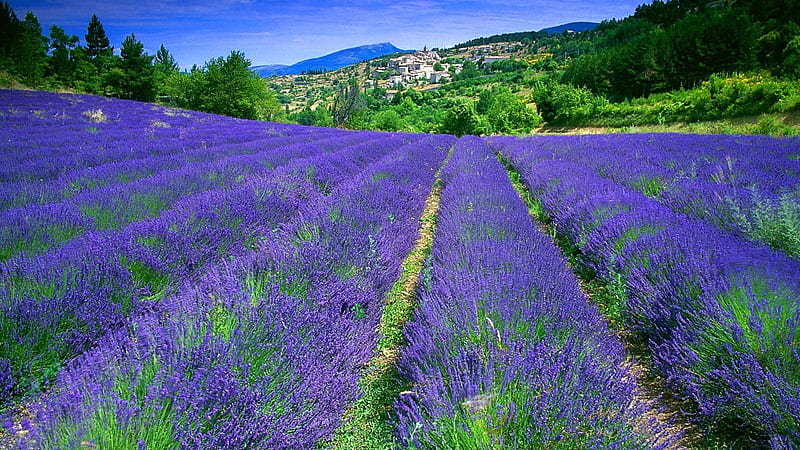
(668,63)
(576,27)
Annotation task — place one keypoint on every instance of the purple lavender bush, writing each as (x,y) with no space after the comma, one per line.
(264,351)
(504,350)
(719,314)
(61,303)
(747,185)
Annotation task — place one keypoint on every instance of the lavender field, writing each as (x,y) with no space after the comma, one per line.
(175,279)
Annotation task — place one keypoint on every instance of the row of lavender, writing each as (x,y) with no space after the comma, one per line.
(720,315)
(262,352)
(126,185)
(45,136)
(504,349)
(55,305)
(749,185)
(37,228)
(58,304)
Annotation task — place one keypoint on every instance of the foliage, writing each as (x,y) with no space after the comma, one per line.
(559,103)
(716,98)
(320,117)
(347,103)
(462,119)
(133,77)
(61,65)
(227,86)
(505,113)
(32,51)
(97,44)
(468,70)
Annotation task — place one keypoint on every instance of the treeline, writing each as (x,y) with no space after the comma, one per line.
(674,45)
(60,61)
(522,36)
(687,60)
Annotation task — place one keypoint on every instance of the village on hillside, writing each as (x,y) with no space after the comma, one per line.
(423,70)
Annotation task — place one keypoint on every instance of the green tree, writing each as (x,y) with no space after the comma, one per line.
(30,53)
(97,44)
(94,60)
(387,120)
(133,77)
(61,65)
(791,62)
(462,118)
(468,70)
(227,86)
(320,117)
(166,68)
(347,103)
(164,61)
(505,113)
(559,103)
(10,31)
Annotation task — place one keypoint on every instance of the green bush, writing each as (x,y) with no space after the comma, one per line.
(717,98)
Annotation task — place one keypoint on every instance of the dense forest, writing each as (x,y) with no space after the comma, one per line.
(673,61)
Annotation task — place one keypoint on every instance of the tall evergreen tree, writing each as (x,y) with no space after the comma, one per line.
(133,76)
(31,51)
(164,61)
(347,102)
(95,60)
(165,70)
(97,44)
(9,32)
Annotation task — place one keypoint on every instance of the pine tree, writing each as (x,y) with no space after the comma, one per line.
(9,32)
(30,53)
(164,61)
(133,76)
(97,44)
(96,60)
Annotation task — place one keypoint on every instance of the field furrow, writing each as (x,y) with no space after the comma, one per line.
(504,350)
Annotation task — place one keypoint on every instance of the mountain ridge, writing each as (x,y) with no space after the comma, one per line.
(572,26)
(331,61)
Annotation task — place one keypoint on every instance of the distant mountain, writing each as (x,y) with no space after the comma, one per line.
(333,61)
(270,68)
(573,26)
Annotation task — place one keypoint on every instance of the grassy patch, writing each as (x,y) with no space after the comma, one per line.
(366,424)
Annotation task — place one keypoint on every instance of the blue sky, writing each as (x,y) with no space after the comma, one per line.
(286,31)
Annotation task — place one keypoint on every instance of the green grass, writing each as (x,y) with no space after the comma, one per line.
(366,425)
(650,187)
(41,241)
(258,284)
(153,424)
(146,278)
